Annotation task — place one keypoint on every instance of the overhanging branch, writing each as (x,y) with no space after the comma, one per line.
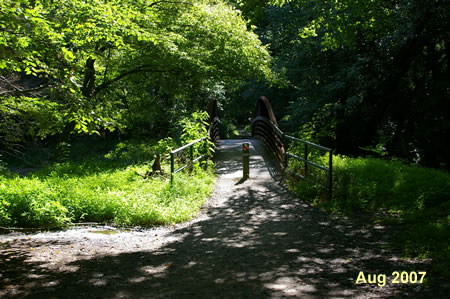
(16,90)
(137,70)
(170,2)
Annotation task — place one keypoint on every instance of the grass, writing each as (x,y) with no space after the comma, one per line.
(394,193)
(98,189)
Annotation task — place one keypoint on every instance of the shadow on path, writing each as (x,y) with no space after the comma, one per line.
(255,239)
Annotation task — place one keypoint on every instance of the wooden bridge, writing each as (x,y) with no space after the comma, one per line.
(276,142)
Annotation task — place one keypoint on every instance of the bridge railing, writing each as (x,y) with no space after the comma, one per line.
(213,131)
(265,127)
(190,162)
(211,139)
(307,162)
(270,134)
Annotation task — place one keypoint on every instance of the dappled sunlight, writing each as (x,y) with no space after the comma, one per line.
(254,238)
(155,270)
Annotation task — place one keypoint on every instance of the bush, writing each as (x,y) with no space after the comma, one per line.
(132,152)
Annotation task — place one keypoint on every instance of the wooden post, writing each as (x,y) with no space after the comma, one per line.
(172,168)
(306,159)
(330,175)
(245,160)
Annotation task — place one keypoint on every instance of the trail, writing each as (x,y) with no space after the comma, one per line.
(253,239)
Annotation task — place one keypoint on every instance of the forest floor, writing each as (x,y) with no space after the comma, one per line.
(252,238)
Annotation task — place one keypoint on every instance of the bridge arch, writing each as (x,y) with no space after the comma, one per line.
(264,108)
(265,127)
(213,130)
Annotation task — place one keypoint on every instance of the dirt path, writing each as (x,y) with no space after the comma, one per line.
(253,239)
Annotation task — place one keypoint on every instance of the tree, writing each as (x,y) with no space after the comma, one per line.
(78,66)
(365,75)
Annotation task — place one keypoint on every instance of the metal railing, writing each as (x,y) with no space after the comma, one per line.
(213,131)
(272,136)
(307,162)
(191,160)
(267,130)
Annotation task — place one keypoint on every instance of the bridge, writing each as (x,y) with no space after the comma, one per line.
(256,238)
(268,143)
(252,238)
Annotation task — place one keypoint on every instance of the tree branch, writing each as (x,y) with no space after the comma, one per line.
(140,69)
(18,90)
(171,2)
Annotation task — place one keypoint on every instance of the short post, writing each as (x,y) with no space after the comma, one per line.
(285,157)
(330,175)
(245,160)
(172,167)
(306,159)
(191,158)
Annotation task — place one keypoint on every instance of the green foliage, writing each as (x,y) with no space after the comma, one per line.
(95,66)
(132,152)
(111,191)
(39,118)
(228,129)
(31,203)
(118,186)
(164,147)
(395,193)
(372,183)
(376,183)
(363,74)
(194,127)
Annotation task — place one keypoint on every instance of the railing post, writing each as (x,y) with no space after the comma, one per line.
(245,160)
(285,157)
(305,156)
(207,151)
(172,168)
(191,154)
(330,175)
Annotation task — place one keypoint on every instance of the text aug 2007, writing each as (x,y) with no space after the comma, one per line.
(396,277)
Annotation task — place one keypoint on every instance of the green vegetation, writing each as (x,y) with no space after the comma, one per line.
(362,74)
(356,76)
(391,193)
(102,190)
(118,186)
(93,67)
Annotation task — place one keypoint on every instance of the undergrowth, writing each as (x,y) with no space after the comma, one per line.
(394,193)
(94,191)
(118,186)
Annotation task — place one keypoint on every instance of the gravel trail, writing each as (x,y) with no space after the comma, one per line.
(252,239)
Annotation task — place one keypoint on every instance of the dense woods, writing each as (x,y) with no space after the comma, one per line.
(365,77)
(88,67)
